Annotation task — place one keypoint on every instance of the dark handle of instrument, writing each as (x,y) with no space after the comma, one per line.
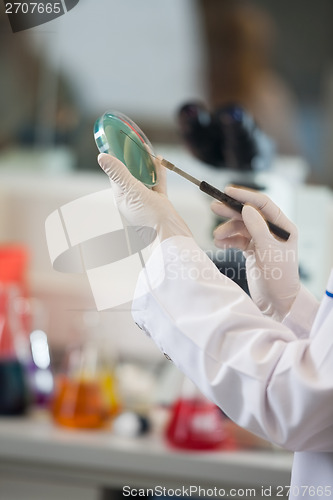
(238,207)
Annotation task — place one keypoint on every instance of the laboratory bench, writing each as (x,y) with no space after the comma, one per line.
(39,461)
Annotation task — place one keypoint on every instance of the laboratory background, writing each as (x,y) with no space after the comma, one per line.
(89,408)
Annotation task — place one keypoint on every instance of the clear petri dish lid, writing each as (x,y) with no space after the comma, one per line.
(118,135)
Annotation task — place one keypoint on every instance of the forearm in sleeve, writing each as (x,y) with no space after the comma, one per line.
(257,370)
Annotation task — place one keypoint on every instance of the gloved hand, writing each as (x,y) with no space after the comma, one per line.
(142,207)
(271,264)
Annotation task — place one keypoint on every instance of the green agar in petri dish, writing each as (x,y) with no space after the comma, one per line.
(118,135)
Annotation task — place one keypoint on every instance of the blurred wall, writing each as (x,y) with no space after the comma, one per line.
(276,59)
(143,58)
(304,57)
(147,58)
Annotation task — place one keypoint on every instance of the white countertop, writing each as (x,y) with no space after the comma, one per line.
(37,448)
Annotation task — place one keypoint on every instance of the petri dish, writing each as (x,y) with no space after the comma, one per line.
(118,135)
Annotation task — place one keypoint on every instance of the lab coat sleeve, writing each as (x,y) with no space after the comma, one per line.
(302,314)
(258,371)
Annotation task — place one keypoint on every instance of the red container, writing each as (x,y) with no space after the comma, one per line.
(13,264)
(196,423)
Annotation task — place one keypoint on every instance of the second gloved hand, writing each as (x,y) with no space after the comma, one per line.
(271,264)
(142,207)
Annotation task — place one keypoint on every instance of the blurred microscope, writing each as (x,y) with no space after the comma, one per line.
(228,140)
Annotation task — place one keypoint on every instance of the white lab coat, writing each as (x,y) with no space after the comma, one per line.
(273,379)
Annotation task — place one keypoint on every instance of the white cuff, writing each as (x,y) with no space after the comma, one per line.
(302,314)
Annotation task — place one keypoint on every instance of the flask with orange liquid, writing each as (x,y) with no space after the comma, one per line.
(85,395)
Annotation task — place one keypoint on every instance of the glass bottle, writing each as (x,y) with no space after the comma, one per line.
(33,318)
(14,394)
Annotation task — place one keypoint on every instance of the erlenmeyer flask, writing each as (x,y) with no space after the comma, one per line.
(195,422)
(85,395)
(14,397)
